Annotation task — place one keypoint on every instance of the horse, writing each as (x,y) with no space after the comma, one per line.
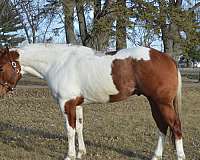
(9,70)
(77,76)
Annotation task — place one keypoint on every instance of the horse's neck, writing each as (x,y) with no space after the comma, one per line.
(36,63)
(39,59)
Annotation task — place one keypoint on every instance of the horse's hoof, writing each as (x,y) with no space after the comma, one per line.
(181,158)
(156,158)
(81,153)
(70,158)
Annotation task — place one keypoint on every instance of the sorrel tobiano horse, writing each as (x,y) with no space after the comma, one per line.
(76,76)
(9,70)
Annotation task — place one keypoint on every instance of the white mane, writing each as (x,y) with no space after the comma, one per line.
(42,57)
(57,48)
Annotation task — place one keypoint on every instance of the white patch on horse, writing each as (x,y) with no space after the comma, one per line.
(70,132)
(96,79)
(179,149)
(160,147)
(138,53)
(79,131)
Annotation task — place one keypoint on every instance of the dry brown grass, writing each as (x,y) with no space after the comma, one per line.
(31,127)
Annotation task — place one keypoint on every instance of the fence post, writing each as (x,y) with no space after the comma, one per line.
(199,76)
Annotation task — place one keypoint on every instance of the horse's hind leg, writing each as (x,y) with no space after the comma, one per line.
(162,125)
(79,130)
(172,119)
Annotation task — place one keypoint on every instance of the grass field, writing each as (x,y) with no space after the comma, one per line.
(32,127)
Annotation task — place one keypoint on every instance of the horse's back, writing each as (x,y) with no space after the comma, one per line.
(137,53)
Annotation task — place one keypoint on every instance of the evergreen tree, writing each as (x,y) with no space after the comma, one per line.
(9,25)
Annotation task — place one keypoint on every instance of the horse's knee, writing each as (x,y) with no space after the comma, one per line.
(79,119)
(70,132)
(175,125)
(79,114)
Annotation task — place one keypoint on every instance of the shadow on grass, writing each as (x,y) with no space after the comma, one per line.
(31,131)
(125,152)
(25,131)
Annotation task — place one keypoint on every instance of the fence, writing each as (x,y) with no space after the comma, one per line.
(192,73)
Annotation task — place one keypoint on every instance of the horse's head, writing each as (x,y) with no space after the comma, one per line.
(9,70)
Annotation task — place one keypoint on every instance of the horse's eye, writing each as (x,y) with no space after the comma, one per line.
(14,64)
(1,68)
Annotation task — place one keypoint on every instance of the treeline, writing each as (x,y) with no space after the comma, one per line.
(102,23)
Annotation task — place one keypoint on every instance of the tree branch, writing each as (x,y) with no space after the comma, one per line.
(194,7)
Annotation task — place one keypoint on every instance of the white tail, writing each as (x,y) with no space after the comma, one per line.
(178,99)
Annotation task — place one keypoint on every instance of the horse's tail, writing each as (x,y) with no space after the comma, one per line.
(178,99)
(177,102)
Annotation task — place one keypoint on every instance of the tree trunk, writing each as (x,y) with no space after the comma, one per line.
(171,43)
(102,25)
(69,21)
(170,30)
(82,22)
(121,26)
(34,34)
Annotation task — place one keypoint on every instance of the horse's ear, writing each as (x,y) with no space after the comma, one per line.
(7,49)
(3,51)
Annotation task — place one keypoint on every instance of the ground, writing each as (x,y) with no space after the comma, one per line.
(32,127)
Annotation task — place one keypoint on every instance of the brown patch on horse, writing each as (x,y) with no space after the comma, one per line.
(70,110)
(123,78)
(157,79)
(164,91)
(149,78)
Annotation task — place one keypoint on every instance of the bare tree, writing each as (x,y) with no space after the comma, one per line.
(33,15)
(97,33)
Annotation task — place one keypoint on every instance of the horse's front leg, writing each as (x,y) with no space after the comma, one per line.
(71,140)
(64,105)
(74,121)
(160,147)
(79,130)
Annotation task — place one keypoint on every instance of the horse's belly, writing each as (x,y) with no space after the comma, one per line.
(96,97)
(99,90)
(91,97)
